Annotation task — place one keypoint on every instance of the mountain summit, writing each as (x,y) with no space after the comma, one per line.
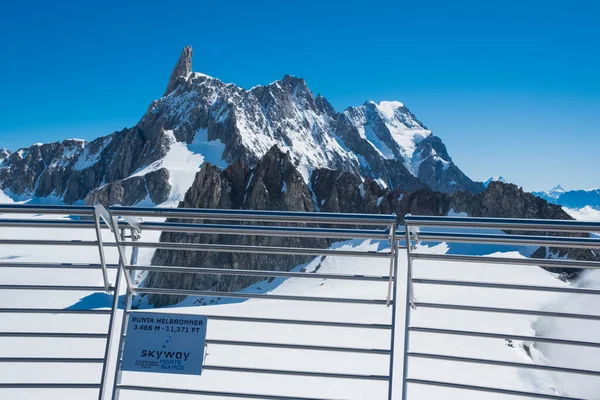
(200,118)
(575,199)
(182,69)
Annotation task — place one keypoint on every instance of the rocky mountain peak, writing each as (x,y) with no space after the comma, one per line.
(4,154)
(182,69)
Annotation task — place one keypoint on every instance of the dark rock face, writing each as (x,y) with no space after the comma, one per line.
(439,172)
(182,69)
(276,184)
(4,154)
(153,185)
(273,185)
(72,169)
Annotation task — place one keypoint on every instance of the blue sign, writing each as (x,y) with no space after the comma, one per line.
(164,343)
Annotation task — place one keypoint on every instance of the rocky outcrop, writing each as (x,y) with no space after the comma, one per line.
(273,185)
(182,69)
(4,154)
(71,169)
(153,186)
(276,184)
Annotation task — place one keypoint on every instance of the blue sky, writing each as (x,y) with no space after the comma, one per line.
(511,87)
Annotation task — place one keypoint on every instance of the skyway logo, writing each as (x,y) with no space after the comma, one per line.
(169,355)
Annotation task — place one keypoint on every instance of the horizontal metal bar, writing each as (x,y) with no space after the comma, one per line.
(567,242)
(458,307)
(228,248)
(537,262)
(266,230)
(214,393)
(46,209)
(49,385)
(65,360)
(297,346)
(50,242)
(504,336)
(547,225)
(47,223)
(50,287)
(503,363)
(509,286)
(56,265)
(52,311)
(207,293)
(333,324)
(249,272)
(490,390)
(256,215)
(296,373)
(55,335)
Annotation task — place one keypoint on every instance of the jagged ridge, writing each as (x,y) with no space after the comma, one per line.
(382,141)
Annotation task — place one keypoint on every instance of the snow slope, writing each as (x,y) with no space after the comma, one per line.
(277,358)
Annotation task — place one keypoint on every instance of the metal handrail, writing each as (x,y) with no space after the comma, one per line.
(547,225)
(265,230)
(250,227)
(256,215)
(413,225)
(375,227)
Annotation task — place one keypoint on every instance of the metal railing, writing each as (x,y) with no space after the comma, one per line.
(413,226)
(94,223)
(376,227)
(332,227)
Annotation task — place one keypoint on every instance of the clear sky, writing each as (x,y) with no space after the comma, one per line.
(511,87)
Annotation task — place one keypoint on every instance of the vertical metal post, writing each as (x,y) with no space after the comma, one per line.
(113,317)
(392,257)
(118,372)
(126,308)
(409,305)
(135,251)
(97,210)
(394,250)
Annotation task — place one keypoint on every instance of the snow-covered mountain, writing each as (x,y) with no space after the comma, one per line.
(494,179)
(574,199)
(551,194)
(200,118)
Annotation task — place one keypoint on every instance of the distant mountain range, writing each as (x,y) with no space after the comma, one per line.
(200,118)
(572,198)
